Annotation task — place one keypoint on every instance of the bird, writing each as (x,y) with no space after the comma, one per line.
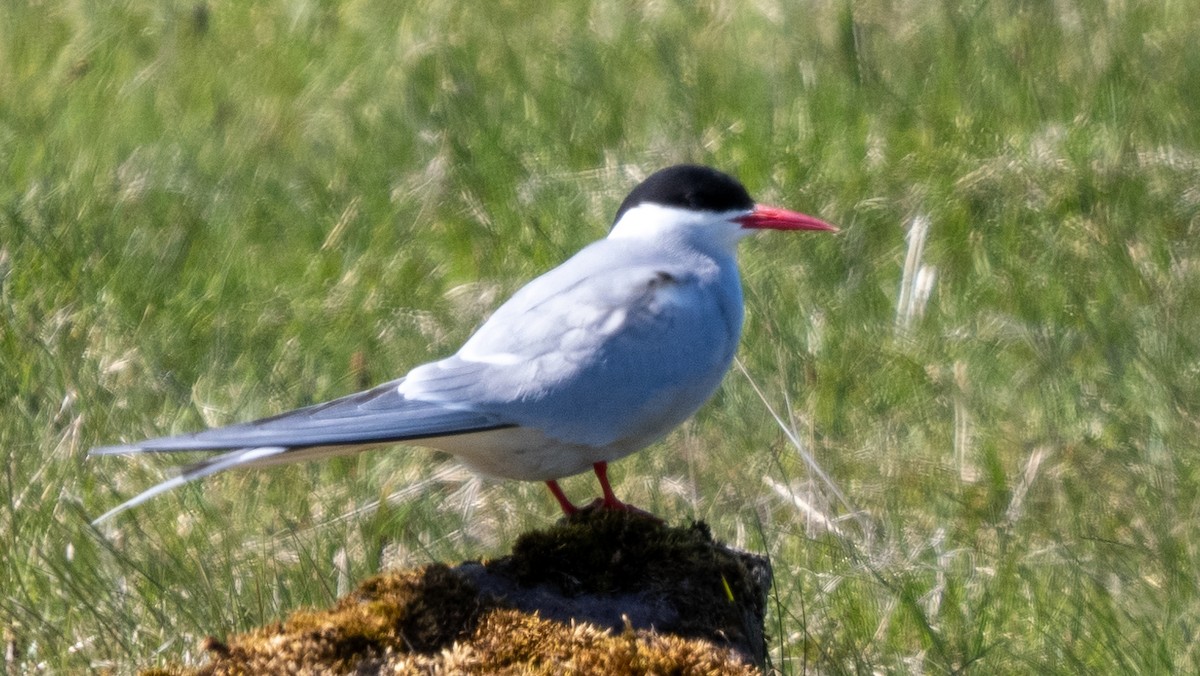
(589,362)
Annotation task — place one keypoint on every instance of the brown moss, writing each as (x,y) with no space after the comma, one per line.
(434,620)
(412,611)
(509,642)
(515,642)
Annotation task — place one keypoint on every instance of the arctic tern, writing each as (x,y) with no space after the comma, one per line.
(586,364)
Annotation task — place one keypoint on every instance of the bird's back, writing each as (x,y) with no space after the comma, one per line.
(615,347)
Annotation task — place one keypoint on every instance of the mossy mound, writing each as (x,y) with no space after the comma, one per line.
(601,592)
(613,567)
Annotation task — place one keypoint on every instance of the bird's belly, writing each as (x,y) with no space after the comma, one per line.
(523,454)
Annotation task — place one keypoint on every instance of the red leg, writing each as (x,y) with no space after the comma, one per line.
(610,498)
(567,507)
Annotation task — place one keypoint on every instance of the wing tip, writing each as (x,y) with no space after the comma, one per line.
(116,449)
(138,499)
(199,470)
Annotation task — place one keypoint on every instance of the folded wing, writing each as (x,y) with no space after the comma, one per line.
(377,416)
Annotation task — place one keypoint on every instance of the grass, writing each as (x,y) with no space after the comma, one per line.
(217,211)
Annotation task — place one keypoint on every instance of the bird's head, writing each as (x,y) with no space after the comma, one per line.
(700,204)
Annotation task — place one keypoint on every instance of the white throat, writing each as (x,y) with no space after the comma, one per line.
(701,229)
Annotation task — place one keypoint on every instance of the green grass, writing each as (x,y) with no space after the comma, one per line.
(214,212)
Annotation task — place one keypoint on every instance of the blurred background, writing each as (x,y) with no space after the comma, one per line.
(964,429)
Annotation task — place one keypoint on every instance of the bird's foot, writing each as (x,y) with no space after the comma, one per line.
(608,503)
(616,505)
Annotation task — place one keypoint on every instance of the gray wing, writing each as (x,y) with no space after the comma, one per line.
(377,416)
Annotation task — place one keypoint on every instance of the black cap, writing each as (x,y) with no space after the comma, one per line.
(689,186)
